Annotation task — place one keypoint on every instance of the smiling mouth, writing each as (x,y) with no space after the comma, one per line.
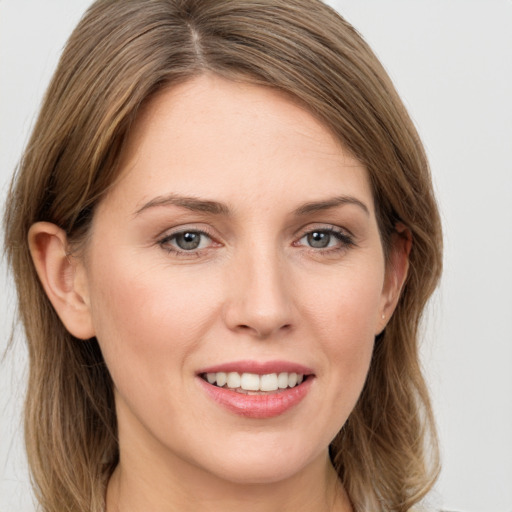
(253,383)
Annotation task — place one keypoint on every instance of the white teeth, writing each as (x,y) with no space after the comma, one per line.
(250,382)
(282,380)
(221,379)
(233,380)
(269,382)
(255,382)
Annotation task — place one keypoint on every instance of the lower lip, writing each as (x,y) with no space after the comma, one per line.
(258,406)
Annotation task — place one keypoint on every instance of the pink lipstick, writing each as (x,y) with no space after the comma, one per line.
(257,389)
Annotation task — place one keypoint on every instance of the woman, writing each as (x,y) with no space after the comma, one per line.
(223,234)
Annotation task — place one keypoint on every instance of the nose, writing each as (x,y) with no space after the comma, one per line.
(259,300)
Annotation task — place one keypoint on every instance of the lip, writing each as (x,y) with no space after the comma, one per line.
(258,367)
(257,406)
(269,405)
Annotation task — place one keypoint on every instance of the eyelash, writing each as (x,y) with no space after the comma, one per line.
(346,241)
(166,240)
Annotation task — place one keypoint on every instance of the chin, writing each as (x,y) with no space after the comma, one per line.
(258,465)
(271,472)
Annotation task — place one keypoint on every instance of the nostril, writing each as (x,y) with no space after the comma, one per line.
(264,331)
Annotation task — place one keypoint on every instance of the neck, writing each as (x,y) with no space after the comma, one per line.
(136,487)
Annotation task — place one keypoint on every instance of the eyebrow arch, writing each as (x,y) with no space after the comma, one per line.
(189,202)
(307,208)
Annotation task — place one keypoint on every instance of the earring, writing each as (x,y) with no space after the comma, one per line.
(383,316)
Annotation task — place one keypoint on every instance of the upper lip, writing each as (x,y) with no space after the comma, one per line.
(258,367)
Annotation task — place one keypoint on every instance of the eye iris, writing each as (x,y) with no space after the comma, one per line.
(188,241)
(319,239)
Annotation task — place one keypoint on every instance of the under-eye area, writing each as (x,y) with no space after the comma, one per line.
(252,383)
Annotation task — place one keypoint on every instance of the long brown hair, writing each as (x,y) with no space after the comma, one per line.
(119,56)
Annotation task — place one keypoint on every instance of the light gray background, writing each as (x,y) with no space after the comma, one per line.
(451,60)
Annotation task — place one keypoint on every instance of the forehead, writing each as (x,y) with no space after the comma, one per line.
(214,137)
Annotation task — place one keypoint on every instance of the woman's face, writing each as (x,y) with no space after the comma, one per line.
(239,244)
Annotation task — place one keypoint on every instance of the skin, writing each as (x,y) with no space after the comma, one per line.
(255,289)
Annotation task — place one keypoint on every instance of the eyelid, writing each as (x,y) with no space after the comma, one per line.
(183,228)
(164,239)
(345,237)
(332,228)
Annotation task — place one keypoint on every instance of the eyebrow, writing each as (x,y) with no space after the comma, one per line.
(313,207)
(189,202)
(217,208)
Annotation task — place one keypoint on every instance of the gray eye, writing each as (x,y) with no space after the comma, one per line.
(318,239)
(188,241)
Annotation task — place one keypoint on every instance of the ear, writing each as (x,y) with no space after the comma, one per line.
(396,273)
(63,278)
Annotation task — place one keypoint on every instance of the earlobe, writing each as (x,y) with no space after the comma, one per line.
(396,272)
(62,277)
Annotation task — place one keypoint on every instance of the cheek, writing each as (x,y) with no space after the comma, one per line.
(346,305)
(344,315)
(147,321)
